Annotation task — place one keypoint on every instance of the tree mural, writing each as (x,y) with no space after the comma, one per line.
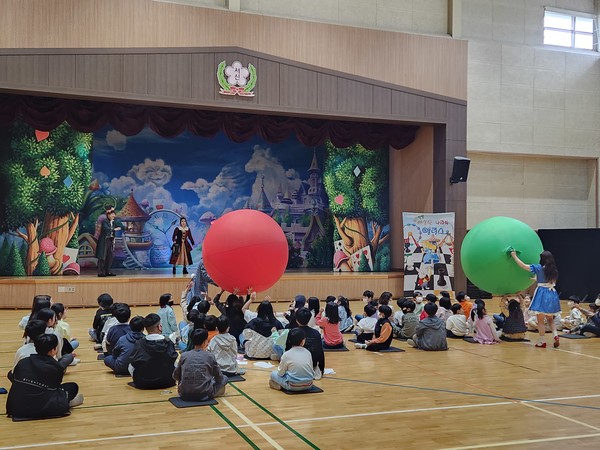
(356,182)
(45,178)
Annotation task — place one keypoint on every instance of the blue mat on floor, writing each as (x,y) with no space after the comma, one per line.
(573,336)
(313,390)
(178,403)
(235,378)
(507,339)
(391,350)
(342,349)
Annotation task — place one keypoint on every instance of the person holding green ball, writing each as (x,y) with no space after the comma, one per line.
(545,303)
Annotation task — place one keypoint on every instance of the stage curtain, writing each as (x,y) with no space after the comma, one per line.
(44,113)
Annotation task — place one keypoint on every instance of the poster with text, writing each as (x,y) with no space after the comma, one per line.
(428,253)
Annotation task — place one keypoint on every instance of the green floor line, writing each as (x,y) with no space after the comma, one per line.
(236,429)
(281,422)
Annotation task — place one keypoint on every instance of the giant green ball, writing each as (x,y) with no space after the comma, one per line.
(487,263)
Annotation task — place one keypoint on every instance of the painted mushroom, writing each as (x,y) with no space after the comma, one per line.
(339,258)
(72,269)
(47,247)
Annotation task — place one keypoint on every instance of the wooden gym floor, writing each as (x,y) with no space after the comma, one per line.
(473,396)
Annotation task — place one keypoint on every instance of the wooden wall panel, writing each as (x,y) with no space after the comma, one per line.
(204,78)
(61,71)
(435,109)
(99,72)
(411,176)
(135,74)
(146,290)
(354,96)
(327,95)
(408,105)
(437,64)
(170,75)
(382,100)
(267,89)
(298,87)
(31,69)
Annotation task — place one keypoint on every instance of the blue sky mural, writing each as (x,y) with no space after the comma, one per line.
(193,175)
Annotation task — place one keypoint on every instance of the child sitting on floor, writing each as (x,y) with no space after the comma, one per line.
(167,316)
(463,299)
(312,342)
(514,327)
(365,328)
(295,372)
(69,342)
(430,333)
(346,323)
(332,337)
(153,357)
(224,347)
(37,390)
(33,329)
(418,301)
(409,320)
(485,331)
(431,298)
(367,298)
(119,360)
(121,314)
(39,302)
(456,324)
(444,310)
(575,319)
(210,325)
(383,332)
(397,317)
(198,374)
(102,315)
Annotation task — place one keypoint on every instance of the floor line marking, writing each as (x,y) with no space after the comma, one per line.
(309,419)
(524,441)
(115,438)
(561,416)
(240,433)
(281,422)
(474,394)
(252,425)
(576,353)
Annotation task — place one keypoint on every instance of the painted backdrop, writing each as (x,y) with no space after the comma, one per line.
(56,184)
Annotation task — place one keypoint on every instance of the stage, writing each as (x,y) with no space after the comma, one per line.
(144,287)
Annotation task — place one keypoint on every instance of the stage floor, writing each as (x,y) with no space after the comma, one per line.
(144,287)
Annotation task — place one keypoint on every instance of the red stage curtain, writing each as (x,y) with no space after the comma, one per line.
(44,113)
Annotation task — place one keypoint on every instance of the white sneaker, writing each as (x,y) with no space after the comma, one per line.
(77,400)
(75,361)
(411,343)
(98,347)
(359,345)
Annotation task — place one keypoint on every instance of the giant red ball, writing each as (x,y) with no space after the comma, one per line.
(245,249)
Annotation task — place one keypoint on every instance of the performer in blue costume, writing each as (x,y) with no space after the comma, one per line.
(545,303)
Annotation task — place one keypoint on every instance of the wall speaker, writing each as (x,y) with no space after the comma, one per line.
(460,169)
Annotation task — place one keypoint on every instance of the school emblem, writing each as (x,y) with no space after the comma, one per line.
(236,79)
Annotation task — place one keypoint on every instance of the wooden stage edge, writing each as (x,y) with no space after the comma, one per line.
(142,288)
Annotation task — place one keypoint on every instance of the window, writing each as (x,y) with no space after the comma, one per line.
(569,29)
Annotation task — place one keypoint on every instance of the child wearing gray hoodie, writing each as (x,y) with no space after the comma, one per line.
(430,333)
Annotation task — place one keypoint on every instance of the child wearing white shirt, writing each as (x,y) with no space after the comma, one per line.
(456,324)
(365,328)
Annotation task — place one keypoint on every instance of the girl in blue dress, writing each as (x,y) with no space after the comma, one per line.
(545,303)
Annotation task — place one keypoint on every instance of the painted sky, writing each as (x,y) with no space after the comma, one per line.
(194,175)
